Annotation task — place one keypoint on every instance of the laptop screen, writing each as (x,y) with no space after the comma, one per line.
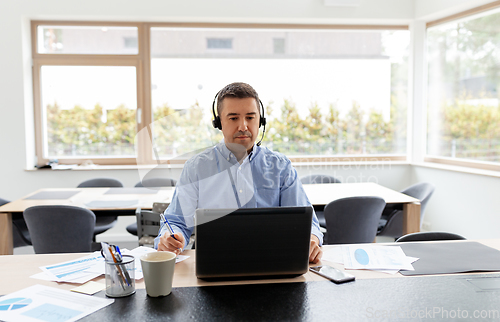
(264,242)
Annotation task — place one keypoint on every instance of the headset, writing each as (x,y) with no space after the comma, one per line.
(216,123)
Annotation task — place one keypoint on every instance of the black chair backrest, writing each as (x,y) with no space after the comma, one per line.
(423,192)
(156,182)
(353,220)
(101,183)
(429,236)
(3,202)
(60,229)
(318,179)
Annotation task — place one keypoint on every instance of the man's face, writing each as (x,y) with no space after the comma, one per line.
(240,121)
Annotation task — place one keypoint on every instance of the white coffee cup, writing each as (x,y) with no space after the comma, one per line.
(158,270)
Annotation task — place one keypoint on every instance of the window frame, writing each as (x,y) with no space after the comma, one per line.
(460,162)
(142,62)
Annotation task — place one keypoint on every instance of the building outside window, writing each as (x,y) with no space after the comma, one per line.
(219,43)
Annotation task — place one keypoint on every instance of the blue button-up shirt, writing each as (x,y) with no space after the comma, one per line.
(214,179)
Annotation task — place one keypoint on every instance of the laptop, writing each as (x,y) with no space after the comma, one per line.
(252,242)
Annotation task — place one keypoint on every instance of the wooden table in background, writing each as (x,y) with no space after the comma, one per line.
(318,194)
(83,196)
(322,194)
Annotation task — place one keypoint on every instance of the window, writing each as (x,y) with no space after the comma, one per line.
(88,111)
(121,93)
(464,91)
(332,93)
(86,92)
(54,39)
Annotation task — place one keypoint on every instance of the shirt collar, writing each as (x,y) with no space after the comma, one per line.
(228,155)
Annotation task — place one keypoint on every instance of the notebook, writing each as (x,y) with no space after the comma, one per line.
(252,242)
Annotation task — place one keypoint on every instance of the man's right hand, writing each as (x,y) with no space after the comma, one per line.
(168,243)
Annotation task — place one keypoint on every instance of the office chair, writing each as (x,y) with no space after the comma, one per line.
(353,220)
(429,236)
(151,183)
(60,229)
(103,219)
(391,222)
(319,179)
(101,183)
(148,223)
(3,202)
(20,234)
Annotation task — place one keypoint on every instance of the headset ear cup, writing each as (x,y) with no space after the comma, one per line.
(216,123)
(262,121)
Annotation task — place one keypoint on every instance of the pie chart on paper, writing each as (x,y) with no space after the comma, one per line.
(14,304)
(361,256)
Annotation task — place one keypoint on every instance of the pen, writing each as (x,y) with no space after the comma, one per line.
(111,250)
(119,258)
(170,230)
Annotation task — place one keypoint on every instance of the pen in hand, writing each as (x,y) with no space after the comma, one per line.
(170,230)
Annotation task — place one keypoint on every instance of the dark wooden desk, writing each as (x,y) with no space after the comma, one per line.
(398,299)
(310,297)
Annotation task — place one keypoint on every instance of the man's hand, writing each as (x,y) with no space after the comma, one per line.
(315,251)
(167,242)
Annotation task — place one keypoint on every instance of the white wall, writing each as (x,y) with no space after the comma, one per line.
(464,203)
(16,111)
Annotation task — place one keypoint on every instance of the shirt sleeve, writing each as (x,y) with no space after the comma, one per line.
(180,212)
(292,194)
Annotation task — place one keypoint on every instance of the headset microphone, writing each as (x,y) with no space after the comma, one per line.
(263,132)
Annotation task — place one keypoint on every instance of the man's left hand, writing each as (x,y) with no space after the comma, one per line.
(315,251)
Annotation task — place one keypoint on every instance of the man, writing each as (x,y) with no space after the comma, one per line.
(236,173)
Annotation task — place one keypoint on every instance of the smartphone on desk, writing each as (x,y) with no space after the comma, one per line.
(335,275)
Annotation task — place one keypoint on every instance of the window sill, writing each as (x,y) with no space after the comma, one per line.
(113,167)
(357,164)
(447,167)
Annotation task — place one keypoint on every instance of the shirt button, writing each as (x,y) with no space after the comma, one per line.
(241,191)
(228,159)
(239,168)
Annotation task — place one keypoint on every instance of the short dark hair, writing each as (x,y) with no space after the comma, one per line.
(236,90)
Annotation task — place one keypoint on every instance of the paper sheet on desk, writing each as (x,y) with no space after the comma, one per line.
(375,257)
(335,254)
(43,303)
(72,271)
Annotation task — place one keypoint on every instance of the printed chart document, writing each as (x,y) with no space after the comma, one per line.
(43,303)
(72,271)
(376,258)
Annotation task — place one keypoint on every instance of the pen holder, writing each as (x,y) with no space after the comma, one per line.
(120,277)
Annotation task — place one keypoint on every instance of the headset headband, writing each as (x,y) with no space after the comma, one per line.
(216,123)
